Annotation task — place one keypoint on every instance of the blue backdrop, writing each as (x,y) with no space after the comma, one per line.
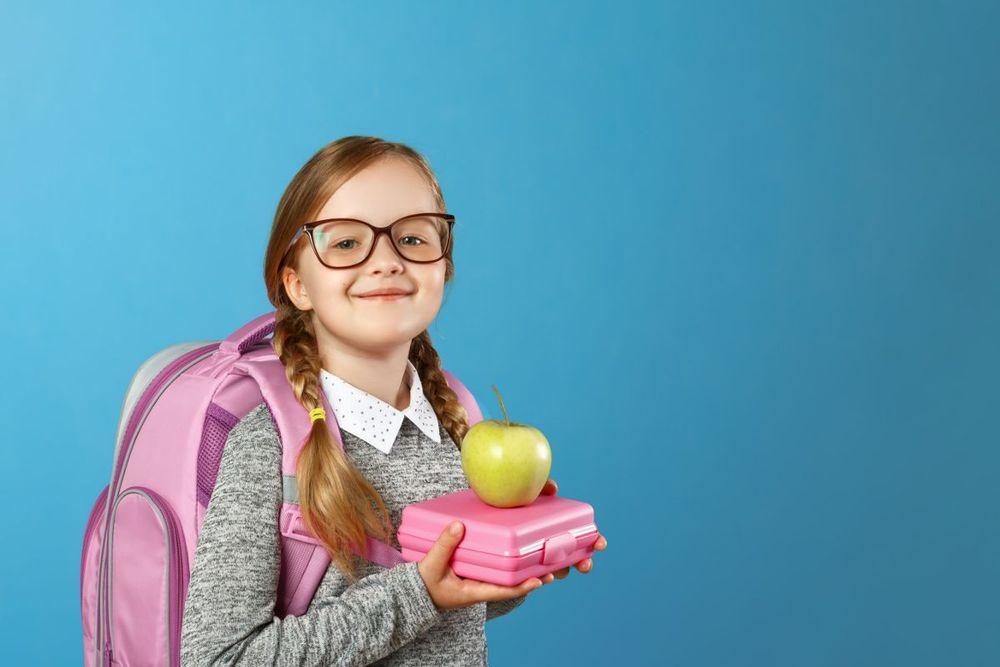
(737,260)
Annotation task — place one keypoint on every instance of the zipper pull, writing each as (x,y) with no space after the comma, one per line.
(107,653)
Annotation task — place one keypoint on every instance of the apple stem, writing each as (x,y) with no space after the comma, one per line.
(500,398)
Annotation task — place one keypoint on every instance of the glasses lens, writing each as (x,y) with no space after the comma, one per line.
(423,238)
(345,242)
(342,242)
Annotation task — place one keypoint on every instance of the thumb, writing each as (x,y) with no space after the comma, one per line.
(441,551)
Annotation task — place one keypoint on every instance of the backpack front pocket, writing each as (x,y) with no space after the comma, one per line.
(148,574)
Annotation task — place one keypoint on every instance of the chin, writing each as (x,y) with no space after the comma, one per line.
(388,334)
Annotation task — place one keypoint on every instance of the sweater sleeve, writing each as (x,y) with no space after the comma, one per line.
(496,608)
(229,611)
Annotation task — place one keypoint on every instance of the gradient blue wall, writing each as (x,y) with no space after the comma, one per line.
(737,260)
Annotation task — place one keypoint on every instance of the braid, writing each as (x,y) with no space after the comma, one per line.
(295,344)
(338,504)
(443,398)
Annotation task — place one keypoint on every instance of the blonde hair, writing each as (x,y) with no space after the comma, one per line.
(338,504)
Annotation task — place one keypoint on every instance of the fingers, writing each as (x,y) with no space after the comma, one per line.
(439,555)
(583,566)
(550,487)
(481,590)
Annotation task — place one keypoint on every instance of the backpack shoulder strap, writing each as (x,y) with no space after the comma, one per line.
(466,398)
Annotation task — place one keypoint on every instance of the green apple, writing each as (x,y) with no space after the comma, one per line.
(506,463)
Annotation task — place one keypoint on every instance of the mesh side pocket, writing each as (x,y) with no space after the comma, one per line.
(218,423)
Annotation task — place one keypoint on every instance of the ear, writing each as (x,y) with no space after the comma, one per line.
(295,288)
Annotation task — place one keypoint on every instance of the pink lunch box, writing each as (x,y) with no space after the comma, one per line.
(502,546)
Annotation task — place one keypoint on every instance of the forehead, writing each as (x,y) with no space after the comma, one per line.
(381,193)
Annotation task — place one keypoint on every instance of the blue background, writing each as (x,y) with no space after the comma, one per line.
(737,260)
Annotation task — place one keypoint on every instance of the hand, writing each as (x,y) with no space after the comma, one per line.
(585,565)
(450,591)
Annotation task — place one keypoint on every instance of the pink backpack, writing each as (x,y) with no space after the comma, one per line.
(178,410)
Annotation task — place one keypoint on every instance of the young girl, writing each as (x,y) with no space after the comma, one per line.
(399,421)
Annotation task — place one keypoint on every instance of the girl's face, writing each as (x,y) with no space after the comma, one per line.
(381,193)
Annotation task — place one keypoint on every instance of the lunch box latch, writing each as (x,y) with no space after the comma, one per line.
(557,548)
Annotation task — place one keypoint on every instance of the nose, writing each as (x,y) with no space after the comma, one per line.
(384,256)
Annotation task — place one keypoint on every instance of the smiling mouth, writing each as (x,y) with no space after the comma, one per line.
(385,297)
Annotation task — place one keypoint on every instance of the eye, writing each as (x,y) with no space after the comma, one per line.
(411,237)
(341,247)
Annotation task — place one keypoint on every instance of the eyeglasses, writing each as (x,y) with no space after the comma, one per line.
(342,243)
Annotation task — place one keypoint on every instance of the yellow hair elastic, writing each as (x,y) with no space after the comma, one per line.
(316,413)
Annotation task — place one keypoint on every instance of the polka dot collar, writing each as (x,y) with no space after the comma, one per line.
(372,419)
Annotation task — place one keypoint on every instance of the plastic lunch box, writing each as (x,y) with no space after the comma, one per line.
(505,545)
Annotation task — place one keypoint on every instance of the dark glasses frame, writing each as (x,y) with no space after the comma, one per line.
(308,228)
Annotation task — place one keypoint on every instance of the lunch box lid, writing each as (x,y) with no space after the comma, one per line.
(503,531)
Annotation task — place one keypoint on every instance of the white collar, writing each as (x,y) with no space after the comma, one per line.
(372,419)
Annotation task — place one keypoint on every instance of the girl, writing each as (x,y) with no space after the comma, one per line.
(339,330)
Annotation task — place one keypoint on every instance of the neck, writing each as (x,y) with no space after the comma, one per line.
(381,373)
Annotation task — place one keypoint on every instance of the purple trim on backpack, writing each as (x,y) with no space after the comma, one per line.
(218,423)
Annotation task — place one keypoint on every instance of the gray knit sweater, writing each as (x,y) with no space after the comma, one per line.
(386,617)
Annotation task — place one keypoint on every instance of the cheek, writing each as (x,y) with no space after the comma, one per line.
(436,284)
(334,291)
(433,280)
(431,290)
(330,299)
